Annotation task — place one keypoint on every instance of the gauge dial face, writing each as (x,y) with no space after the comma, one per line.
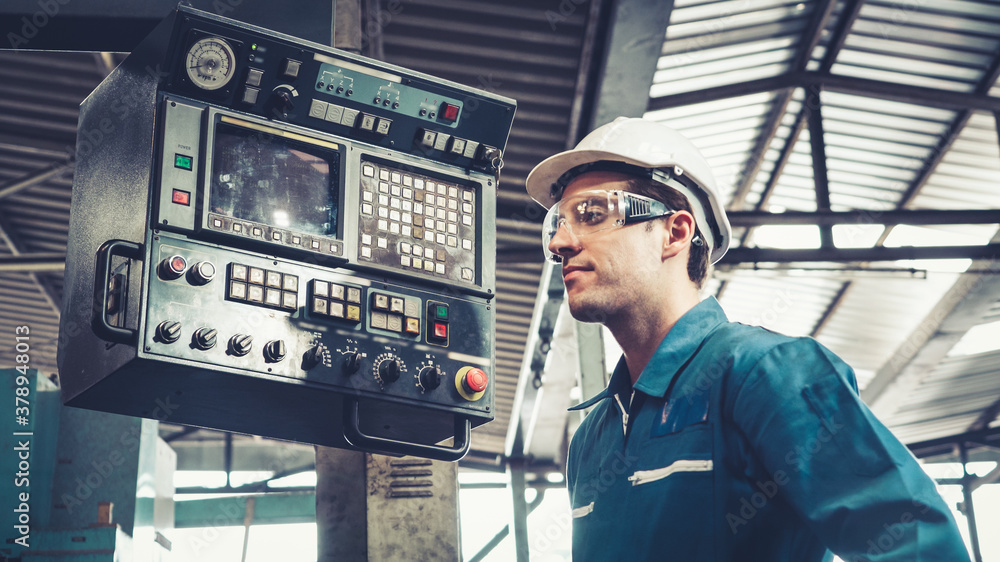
(211,63)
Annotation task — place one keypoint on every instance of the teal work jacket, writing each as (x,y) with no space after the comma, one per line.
(740,444)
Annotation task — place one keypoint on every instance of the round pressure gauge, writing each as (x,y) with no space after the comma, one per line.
(211,63)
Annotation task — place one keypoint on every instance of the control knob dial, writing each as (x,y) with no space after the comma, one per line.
(388,368)
(241,344)
(169,331)
(429,378)
(274,351)
(205,338)
(314,356)
(350,362)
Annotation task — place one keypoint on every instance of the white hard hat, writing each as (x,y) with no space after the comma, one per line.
(648,145)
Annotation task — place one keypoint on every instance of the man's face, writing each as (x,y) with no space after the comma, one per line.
(607,273)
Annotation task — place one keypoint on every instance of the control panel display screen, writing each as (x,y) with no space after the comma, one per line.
(274,181)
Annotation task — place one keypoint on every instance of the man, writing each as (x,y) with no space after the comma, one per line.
(714,441)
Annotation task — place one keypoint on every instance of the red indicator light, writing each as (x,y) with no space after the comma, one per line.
(476,380)
(449,112)
(172,267)
(440,330)
(178,264)
(181,197)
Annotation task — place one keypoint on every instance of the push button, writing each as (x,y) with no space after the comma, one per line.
(250,95)
(292,68)
(449,112)
(254,76)
(440,311)
(181,197)
(471,383)
(476,380)
(427,138)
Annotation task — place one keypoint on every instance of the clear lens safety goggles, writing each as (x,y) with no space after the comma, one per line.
(588,212)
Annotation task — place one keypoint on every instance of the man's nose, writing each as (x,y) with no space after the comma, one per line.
(564,242)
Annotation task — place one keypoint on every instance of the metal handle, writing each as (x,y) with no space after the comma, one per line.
(354,436)
(99,322)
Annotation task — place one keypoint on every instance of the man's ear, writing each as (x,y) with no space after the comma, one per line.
(680,229)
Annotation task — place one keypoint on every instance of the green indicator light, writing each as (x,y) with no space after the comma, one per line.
(253,47)
(442,312)
(182,162)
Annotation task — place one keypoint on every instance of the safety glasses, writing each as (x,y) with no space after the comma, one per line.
(588,212)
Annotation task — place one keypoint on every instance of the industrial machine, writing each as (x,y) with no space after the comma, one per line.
(274,237)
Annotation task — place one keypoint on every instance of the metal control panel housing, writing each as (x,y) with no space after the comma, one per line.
(285,240)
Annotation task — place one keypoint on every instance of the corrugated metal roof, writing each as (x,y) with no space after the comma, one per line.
(40,94)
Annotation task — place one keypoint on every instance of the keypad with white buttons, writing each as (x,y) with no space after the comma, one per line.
(417,223)
(328,299)
(262,287)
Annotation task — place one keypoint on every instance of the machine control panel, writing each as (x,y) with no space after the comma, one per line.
(316,241)
(333,329)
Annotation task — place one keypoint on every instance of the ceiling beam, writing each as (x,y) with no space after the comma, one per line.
(636,33)
(34,178)
(864,217)
(846,255)
(779,106)
(930,97)
(33,262)
(818,150)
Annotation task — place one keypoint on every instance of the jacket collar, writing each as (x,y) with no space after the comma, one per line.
(674,352)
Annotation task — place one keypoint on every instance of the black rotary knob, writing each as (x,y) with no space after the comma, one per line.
(274,350)
(429,378)
(205,338)
(314,356)
(169,331)
(388,370)
(241,344)
(352,362)
(283,98)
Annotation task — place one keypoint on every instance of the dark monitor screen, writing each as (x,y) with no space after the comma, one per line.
(274,181)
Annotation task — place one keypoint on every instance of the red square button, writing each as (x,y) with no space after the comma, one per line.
(449,112)
(181,197)
(440,330)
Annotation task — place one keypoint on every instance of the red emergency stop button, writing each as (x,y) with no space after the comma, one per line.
(471,383)
(449,112)
(476,380)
